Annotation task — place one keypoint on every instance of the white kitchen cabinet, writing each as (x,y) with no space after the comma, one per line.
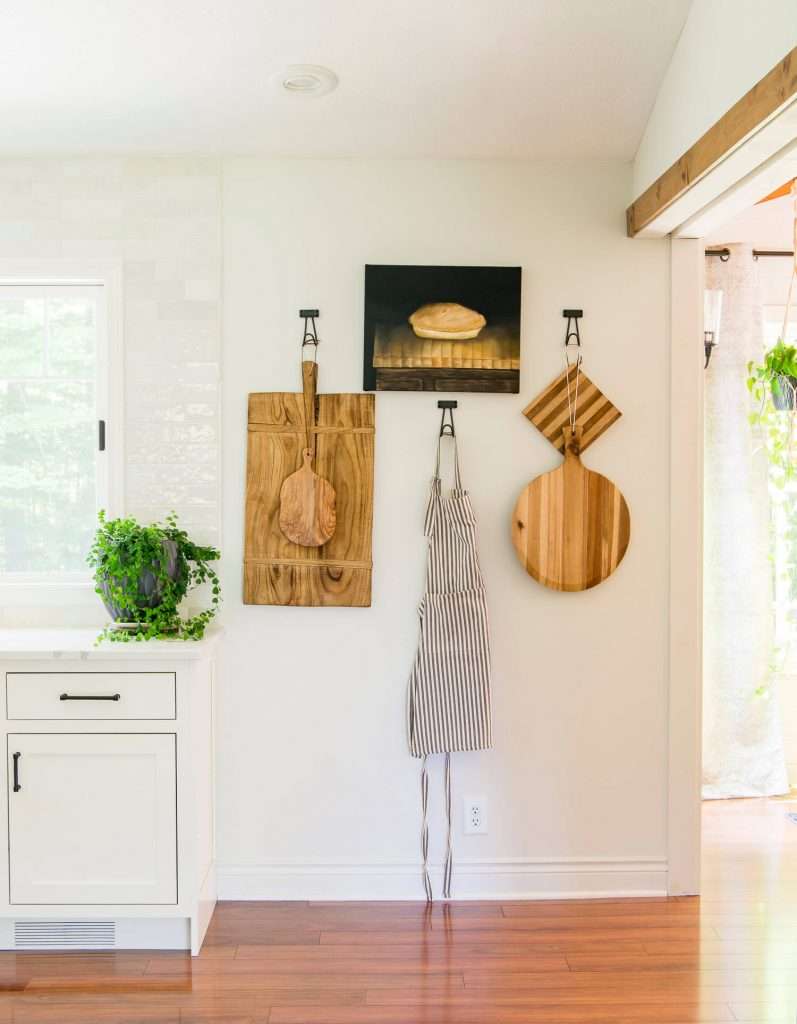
(109,793)
(92,818)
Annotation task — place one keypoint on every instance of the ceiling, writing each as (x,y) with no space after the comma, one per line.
(475,78)
(764,226)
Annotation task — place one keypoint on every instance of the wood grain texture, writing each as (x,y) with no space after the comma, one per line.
(277,570)
(309,394)
(757,105)
(554,961)
(506,382)
(549,411)
(497,348)
(571,527)
(307,501)
(307,506)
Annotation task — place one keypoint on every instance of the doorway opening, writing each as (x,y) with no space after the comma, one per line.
(749,761)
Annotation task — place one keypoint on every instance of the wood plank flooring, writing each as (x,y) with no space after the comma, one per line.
(730,956)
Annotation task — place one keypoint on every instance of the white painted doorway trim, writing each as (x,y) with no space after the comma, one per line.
(685,651)
(685,654)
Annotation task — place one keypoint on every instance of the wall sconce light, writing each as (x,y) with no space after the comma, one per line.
(712,314)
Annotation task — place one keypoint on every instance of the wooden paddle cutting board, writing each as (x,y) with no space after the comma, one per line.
(307,501)
(278,571)
(307,506)
(571,527)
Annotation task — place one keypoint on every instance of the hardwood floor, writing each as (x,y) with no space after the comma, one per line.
(729,956)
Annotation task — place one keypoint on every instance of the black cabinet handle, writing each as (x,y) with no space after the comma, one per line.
(101,438)
(90,696)
(16,758)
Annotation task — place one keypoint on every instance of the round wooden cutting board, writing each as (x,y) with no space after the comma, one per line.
(571,527)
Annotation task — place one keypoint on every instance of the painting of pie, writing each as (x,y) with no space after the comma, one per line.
(442,329)
(446,321)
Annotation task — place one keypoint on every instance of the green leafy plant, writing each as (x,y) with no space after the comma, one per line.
(772,385)
(142,573)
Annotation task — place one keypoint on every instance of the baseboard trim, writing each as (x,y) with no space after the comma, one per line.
(538,878)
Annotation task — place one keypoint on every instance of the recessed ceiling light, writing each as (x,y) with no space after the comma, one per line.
(305,80)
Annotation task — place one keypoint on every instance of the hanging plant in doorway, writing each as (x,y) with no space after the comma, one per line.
(142,574)
(773,385)
(776,375)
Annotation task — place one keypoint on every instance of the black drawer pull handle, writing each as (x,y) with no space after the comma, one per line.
(16,758)
(97,696)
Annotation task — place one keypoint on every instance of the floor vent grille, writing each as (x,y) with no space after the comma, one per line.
(64,934)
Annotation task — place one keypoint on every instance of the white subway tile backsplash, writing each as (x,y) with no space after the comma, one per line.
(159,216)
(177,484)
(177,308)
(151,436)
(91,209)
(202,289)
(172,453)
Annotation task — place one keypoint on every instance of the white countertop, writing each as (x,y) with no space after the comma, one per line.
(80,644)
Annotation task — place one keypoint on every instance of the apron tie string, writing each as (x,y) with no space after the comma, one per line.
(427,884)
(449,851)
(448,868)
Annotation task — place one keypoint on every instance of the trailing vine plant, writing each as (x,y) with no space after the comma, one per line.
(772,385)
(142,573)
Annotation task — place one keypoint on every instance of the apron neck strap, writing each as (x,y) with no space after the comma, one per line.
(457,478)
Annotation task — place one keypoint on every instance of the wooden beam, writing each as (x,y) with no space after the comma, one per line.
(775,89)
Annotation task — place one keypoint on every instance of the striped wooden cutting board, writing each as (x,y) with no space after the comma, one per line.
(594,414)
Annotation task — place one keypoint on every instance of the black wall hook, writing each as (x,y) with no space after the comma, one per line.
(310,334)
(572,316)
(448,406)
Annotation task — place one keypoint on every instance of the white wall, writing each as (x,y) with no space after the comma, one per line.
(159,219)
(318,796)
(726,46)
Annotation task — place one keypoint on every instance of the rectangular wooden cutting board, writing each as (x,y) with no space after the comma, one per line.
(277,571)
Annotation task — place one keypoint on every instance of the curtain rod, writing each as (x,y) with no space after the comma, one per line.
(725,254)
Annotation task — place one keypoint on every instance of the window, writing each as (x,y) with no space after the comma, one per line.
(54,391)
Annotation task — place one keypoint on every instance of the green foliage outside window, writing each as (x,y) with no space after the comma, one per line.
(48,432)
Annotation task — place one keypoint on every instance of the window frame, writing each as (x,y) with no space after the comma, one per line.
(32,587)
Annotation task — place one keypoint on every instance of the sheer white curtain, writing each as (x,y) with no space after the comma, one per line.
(742,735)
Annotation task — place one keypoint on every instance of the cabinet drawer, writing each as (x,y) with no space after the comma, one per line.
(85,696)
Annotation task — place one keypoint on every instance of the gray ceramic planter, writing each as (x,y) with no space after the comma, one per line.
(783,396)
(150,590)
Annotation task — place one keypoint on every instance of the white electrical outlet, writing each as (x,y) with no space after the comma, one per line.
(475,816)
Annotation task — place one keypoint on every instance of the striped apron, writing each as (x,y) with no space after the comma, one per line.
(448,705)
